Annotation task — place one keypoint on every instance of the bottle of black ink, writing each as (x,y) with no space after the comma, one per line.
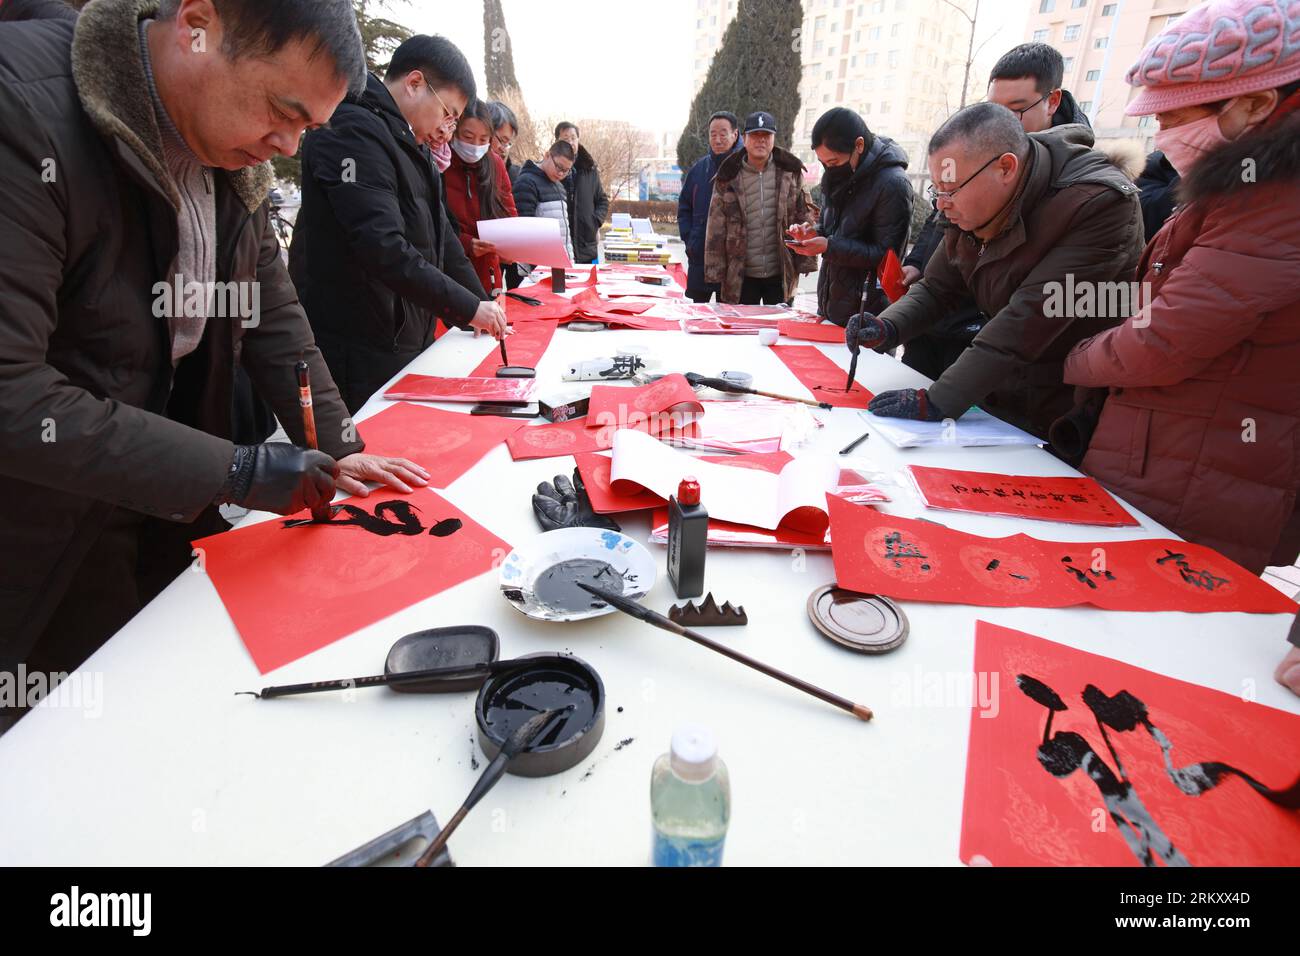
(688,539)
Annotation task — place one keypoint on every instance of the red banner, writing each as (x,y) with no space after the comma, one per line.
(524,346)
(821,376)
(923,561)
(1071,500)
(812,331)
(1080,760)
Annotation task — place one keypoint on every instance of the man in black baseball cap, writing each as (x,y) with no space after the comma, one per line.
(767,185)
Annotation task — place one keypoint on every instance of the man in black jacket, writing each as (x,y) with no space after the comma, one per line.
(866,211)
(539,190)
(1159,185)
(588,204)
(115,396)
(1027,81)
(375,259)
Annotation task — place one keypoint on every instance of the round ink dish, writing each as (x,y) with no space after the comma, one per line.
(540,578)
(543,682)
(866,623)
(581,325)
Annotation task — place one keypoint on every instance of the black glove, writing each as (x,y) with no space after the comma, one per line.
(865,329)
(566,505)
(911,403)
(279,477)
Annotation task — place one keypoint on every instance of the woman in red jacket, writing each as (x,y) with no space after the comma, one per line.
(478,188)
(1201,426)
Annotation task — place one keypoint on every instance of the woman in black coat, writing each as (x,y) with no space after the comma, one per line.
(866,210)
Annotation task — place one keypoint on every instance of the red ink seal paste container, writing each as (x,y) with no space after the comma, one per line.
(543,682)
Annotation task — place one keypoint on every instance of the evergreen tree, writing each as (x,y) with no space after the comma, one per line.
(757,67)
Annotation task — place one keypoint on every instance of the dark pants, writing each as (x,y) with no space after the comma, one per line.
(133,559)
(703,293)
(766,291)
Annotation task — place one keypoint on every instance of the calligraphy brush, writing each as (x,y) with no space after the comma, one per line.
(862,310)
(322,511)
(488,669)
(722,385)
(640,611)
(529,731)
(504,360)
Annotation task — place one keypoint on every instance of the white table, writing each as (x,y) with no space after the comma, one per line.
(178,770)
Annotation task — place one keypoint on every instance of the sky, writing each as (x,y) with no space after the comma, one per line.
(618,59)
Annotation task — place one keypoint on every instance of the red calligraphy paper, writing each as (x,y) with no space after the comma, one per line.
(595,469)
(891,276)
(551,306)
(524,346)
(919,560)
(678,273)
(728,534)
(292,586)
(624,313)
(670,399)
(1071,500)
(812,331)
(573,279)
(563,438)
(433,388)
(446,444)
(1112,796)
(590,303)
(821,376)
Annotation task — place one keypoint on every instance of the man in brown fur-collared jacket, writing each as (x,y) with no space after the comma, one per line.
(758,195)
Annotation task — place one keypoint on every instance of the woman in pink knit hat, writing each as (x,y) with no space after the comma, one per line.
(1201,425)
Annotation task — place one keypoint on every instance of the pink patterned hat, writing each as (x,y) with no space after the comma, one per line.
(1216,51)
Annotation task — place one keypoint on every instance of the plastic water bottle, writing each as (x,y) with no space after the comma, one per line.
(690,801)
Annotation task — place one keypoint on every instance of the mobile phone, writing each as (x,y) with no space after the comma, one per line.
(507,411)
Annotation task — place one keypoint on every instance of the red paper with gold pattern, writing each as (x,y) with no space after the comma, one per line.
(923,561)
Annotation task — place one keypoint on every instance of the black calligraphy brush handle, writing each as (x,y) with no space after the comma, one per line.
(722,385)
(862,310)
(322,511)
(628,606)
(529,731)
(382,680)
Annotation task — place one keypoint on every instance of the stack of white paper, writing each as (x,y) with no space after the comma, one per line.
(976,427)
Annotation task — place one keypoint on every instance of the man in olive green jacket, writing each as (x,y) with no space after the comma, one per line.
(1040,228)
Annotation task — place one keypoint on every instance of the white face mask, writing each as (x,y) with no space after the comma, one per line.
(471,154)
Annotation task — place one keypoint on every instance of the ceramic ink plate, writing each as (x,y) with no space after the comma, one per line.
(539,578)
(866,623)
(545,682)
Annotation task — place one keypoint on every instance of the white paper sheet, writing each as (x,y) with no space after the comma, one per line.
(741,495)
(535,240)
(976,427)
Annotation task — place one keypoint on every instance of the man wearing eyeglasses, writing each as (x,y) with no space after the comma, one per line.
(374,256)
(1028,215)
(1026,80)
(539,190)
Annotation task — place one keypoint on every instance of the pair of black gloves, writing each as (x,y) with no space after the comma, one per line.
(881,335)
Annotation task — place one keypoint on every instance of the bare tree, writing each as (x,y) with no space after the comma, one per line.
(530,143)
(972,51)
(620,151)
